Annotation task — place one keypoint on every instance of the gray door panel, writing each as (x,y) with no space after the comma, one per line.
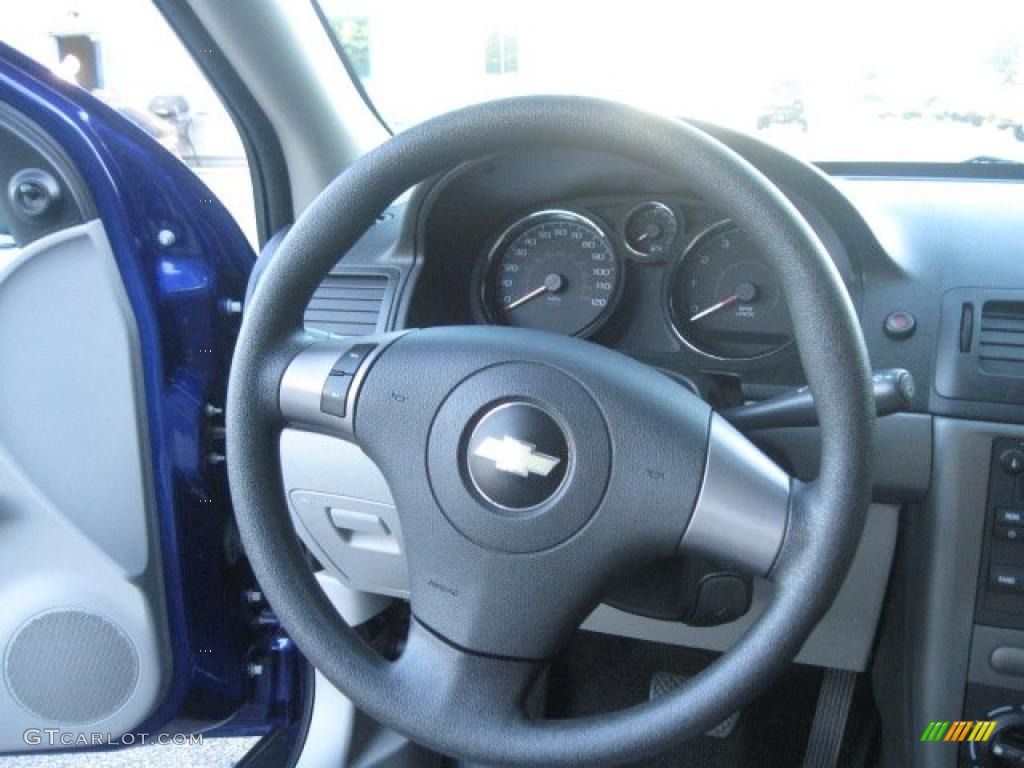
(83,640)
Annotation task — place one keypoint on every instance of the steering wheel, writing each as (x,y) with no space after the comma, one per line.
(530,470)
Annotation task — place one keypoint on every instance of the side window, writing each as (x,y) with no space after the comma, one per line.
(126,54)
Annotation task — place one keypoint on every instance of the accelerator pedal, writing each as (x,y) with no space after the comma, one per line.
(834,700)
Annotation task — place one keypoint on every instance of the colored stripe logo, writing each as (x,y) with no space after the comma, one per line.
(960,730)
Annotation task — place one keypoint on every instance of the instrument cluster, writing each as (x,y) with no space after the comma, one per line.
(562,269)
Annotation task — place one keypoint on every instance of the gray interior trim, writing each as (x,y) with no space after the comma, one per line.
(339,736)
(941,610)
(283,55)
(743,505)
(901,454)
(77,507)
(984,643)
(331,726)
(26,149)
(324,476)
(842,640)
(302,384)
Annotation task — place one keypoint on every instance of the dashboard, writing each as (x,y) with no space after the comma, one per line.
(588,244)
(585,244)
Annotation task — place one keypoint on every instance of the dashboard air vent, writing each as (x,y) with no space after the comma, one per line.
(1001,338)
(348,304)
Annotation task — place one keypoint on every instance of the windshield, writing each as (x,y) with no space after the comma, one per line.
(873,80)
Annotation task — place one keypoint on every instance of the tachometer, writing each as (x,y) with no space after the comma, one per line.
(552,270)
(725,300)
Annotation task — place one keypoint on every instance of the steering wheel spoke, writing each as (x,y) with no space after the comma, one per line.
(743,508)
(319,387)
(455,680)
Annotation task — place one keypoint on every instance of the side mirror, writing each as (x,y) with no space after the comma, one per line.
(172,107)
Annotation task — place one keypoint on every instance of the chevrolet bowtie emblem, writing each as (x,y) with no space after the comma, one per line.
(517,457)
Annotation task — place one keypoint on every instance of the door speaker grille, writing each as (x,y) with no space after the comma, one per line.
(71,666)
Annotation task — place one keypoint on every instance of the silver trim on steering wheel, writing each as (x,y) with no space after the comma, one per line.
(743,506)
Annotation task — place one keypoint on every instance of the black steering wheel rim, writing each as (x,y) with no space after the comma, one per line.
(818,544)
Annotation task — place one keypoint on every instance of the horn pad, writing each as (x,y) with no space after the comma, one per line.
(519,457)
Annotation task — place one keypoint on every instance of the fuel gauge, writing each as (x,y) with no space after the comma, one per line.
(651,229)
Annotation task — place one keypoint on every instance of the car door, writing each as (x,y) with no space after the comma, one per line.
(128,608)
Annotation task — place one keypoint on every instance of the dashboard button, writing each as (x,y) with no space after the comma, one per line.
(1008,661)
(1012,461)
(1013,517)
(334,395)
(349,362)
(1009,533)
(900,325)
(1006,579)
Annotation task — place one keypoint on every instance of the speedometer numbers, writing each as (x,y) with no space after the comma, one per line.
(724,300)
(553,271)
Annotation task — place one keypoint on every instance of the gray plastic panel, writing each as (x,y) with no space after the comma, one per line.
(339,736)
(901,457)
(940,602)
(333,721)
(77,501)
(343,511)
(26,149)
(842,640)
(984,642)
(316,111)
(743,507)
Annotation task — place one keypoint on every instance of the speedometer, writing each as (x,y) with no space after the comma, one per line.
(552,270)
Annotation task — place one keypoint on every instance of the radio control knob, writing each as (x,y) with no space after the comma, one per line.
(1012,461)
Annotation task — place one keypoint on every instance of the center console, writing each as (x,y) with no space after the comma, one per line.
(995,680)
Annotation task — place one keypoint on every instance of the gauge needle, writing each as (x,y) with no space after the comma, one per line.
(525,298)
(727,301)
(552,284)
(647,234)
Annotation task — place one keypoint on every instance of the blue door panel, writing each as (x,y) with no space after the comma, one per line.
(181,294)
